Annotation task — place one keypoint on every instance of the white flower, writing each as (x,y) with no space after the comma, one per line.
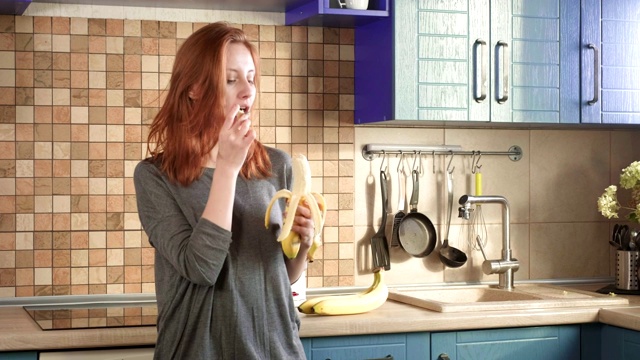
(630,176)
(608,204)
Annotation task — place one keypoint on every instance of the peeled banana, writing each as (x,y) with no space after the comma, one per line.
(367,300)
(300,192)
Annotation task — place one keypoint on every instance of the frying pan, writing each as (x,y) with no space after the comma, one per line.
(416,232)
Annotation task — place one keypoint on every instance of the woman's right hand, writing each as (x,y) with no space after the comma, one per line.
(234,140)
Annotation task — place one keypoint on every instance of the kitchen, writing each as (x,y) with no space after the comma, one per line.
(70,226)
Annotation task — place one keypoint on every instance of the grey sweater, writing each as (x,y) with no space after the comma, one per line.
(221,294)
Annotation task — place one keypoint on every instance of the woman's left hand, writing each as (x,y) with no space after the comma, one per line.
(304,226)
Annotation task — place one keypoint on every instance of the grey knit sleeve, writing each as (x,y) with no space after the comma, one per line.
(196,249)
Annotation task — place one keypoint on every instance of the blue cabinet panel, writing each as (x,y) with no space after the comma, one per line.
(620,344)
(614,28)
(21,355)
(404,346)
(547,342)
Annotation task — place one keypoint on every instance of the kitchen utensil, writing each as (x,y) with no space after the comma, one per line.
(449,255)
(397,218)
(622,236)
(614,238)
(479,225)
(416,232)
(615,244)
(379,246)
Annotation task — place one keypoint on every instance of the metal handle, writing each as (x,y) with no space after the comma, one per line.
(383,195)
(596,75)
(413,203)
(504,89)
(480,87)
(449,200)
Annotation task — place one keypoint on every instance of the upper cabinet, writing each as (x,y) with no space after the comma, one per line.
(13,7)
(471,60)
(610,61)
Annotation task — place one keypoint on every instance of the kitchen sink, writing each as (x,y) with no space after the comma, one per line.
(484,297)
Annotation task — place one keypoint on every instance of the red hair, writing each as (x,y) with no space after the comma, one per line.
(184,130)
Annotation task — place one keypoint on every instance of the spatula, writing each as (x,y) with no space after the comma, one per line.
(379,245)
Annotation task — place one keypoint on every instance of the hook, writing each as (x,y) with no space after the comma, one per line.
(475,161)
(433,157)
(417,155)
(401,163)
(384,156)
(449,168)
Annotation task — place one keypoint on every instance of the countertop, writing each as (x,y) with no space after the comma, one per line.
(19,332)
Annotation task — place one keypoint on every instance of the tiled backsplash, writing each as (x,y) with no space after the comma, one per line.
(77,94)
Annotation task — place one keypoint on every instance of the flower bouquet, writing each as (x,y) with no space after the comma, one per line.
(608,204)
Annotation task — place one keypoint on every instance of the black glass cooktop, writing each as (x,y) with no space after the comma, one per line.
(93,317)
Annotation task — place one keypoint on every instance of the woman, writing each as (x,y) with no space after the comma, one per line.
(222,281)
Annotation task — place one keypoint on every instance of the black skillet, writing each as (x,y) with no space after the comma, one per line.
(416,232)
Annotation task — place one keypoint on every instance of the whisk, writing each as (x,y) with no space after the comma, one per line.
(478,231)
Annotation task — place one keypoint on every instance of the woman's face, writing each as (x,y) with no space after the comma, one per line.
(240,73)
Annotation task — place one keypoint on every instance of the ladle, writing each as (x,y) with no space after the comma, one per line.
(449,255)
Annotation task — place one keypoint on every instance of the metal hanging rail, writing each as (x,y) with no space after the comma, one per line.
(370,150)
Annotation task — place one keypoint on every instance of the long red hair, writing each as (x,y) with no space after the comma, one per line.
(184,131)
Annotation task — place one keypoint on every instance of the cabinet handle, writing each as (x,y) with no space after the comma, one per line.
(596,75)
(504,89)
(480,87)
(444,356)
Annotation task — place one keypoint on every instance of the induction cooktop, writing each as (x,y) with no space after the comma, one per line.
(95,316)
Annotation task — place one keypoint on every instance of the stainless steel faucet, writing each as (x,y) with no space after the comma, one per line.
(506,266)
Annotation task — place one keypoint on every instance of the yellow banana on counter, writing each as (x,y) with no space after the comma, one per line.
(300,192)
(365,301)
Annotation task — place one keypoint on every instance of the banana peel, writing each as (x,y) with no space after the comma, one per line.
(300,194)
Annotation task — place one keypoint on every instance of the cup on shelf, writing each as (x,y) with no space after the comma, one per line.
(355,4)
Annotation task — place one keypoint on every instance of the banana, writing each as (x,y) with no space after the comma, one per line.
(365,301)
(307,306)
(300,192)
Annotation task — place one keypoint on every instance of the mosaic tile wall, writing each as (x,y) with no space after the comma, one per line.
(76,97)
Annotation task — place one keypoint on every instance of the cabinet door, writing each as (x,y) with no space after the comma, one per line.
(542,41)
(548,342)
(611,81)
(407,346)
(434,65)
(619,343)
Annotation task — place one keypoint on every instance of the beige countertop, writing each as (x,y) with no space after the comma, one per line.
(19,332)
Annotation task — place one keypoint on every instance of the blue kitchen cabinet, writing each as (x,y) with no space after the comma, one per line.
(610,62)
(531,343)
(619,343)
(20,355)
(403,346)
(470,60)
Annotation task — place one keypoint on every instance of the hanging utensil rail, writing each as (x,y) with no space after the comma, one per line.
(370,150)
